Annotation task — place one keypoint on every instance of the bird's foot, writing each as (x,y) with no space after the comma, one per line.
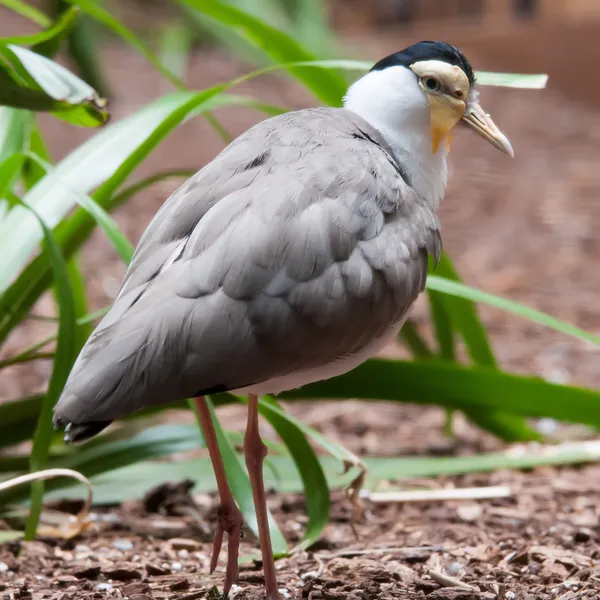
(353,491)
(230,521)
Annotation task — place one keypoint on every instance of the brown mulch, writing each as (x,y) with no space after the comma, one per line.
(539,544)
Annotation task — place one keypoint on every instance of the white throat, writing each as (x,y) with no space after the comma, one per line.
(392,101)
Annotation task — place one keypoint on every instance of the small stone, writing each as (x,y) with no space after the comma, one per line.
(469,511)
(122,544)
(183,554)
(184,544)
(82,549)
(66,579)
(176,566)
(583,535)
(3,567)
(453,568)
(104,587)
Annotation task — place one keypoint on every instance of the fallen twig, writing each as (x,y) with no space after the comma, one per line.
(478,493)
(447,581)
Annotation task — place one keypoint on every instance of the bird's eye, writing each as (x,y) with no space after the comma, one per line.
(431,84)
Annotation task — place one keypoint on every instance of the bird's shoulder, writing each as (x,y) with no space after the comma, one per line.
(283,164)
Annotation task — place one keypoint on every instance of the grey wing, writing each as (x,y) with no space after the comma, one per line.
(299,245)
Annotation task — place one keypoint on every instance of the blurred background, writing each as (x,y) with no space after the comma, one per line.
(526,229)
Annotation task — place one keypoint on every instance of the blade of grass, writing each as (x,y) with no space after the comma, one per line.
(457,314)
(121,244)
(133,481)
(83,331)
(174,48)
(240,485)
(55,30)
(463,315)
(32,172)
(28,11)
(100,14)
(453,386)
(329,87)
(65,355)
(413,341)
(31,81)
(460,290)
(83,48)
(108,158)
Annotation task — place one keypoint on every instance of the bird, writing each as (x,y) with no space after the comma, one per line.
(292,257)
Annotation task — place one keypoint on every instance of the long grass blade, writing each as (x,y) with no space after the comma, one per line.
(453,386)
(28,11)
(460,290)
(328,86)
(65,355)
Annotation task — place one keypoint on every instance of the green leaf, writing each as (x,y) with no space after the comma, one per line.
(101,15)
(65,355)
(14,128)
(330,87)
(10,536)
(442,325)
(175,46)
(464,317)
(32,171)
(84,47)
(414,342)
(460,290)
(9,173)
(511,80)
(133,481)
(29,80)
(465,388)
(241,488)
(103,220)
(27,11)
(58,29)
(109,157)
(77,280)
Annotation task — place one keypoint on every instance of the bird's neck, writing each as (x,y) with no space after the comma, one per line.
(401,115)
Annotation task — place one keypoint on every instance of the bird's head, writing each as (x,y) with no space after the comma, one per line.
(428,81)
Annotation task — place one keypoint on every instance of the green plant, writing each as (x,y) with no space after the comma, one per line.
(47,211)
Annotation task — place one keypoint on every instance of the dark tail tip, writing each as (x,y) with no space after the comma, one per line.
(76,433)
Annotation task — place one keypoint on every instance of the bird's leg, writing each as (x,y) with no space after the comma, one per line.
(255,452)
(229,516)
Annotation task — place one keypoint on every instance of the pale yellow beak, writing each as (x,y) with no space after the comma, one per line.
(483,125)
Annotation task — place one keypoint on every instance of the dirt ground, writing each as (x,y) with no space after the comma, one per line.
(539,544)
(525,229)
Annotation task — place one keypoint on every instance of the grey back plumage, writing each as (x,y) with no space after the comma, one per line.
(298,245)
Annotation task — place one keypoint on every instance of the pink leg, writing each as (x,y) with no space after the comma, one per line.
(230,517)
(255,452)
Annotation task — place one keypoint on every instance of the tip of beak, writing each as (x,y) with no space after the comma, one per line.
(504,145)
